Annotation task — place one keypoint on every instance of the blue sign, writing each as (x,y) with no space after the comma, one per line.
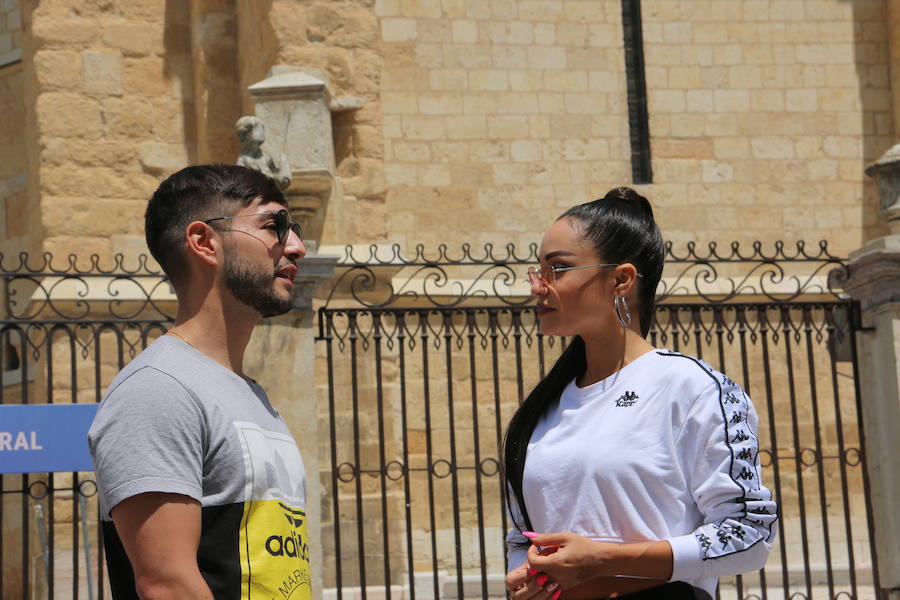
(45,438)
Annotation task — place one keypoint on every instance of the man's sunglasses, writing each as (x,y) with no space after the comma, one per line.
(281,220)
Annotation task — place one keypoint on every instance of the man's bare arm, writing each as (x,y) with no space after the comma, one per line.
(161,534)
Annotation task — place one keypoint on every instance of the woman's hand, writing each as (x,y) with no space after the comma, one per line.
(570,559)
(525,583)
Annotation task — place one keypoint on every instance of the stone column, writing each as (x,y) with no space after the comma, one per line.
(281,356)
(873,278)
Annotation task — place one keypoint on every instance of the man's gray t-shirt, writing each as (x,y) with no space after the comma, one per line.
(176,421)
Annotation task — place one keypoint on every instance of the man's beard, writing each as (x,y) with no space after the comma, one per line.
(254,287)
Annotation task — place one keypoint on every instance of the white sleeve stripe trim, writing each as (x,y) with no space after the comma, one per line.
(743,489)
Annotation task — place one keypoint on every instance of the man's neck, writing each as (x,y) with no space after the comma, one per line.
(222,335)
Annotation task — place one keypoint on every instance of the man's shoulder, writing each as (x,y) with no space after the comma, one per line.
(160,366)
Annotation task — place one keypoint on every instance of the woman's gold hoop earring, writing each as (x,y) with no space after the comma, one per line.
(621,307)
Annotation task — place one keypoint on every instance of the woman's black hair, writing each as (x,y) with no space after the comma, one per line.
(621,228)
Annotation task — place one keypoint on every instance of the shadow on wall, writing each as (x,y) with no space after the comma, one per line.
(201,60)
(871,34)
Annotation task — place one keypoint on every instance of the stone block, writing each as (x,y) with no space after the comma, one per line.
(525,150)
(547,57)
(428,56)
(587,104)
(700,101)
(731,100)
(544,34)
(128,117)
(448,79)
(678,33)
(802,100)
(398,30)
(434,30)
(731,147)
(466,127)
(539,126)
(403,103)
(526,81)
(715,171)
(843,147)
(772,147)
(685,125)
(744,77)
(407,78)
(146,77)
(667,101)
(389,8)
(134,38)
(400,174)
(102,72)
(491,32)
(767,100)
(507,126)
(570,126)
(566,81)
(847,99)
(552,103)
(504,10)
(575,35)
(90,217)
(585,11)
(488,79)
(605,35)
(63,32)
(709,33)
(440,104)
(57,69)
(423,128)
(729,54)
(490,151)
(696,148)
(542,11)
(509,57)
(684,78)
(433,175)
(464,31)
(478,9)
(512,103)
(468,56)
(68,115)
(519,32)
(162,158)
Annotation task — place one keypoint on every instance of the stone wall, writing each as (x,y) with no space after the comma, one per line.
(498,115)
(482,120)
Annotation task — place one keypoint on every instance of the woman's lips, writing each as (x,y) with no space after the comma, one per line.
(544,310)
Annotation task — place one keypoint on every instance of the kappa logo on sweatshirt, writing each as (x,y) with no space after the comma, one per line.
(627,399)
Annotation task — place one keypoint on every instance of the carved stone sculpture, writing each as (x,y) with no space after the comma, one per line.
(251,133)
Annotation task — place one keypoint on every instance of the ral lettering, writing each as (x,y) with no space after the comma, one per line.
(19,440)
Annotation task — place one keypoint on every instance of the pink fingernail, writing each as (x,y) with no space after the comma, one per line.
(532,572)
(542,580)
(529,534)
(556,594)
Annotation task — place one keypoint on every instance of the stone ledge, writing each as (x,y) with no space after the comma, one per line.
(873,276)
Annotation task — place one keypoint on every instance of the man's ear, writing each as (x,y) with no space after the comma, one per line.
(202,242)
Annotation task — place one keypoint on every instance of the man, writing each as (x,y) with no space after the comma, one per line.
(202,488)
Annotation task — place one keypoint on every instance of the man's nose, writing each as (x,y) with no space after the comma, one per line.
(294,247)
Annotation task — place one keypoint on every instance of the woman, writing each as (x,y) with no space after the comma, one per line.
(638,466)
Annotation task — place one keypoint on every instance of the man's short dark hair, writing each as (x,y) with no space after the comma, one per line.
(195,194)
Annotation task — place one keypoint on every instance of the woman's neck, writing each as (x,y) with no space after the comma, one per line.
(607,354)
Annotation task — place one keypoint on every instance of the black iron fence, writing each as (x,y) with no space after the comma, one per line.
(426,356)
(68,327)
